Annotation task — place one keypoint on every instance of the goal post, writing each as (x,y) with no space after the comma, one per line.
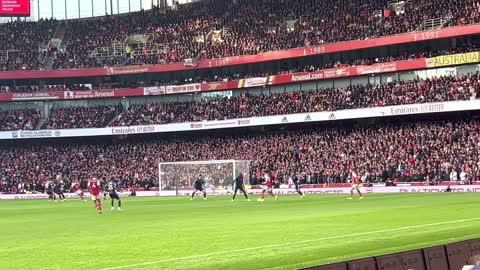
(176,178)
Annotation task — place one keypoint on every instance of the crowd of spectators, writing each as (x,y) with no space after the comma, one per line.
(453,88)
(81,117)
(63,87)
(248,27)
(461,47)
(26,119)
(319,22)
(21,40)
(381,152)
(325,99)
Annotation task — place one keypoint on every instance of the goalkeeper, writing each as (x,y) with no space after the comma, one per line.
(199,185)
(238,185)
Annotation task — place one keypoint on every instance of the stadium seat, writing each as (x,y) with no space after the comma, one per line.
(334,266)
(436,258)
(458,255)
(402,261)
(363,264)
(474,247)
(390,262)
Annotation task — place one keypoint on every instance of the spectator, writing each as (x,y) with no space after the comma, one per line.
(476,264)
(453,175)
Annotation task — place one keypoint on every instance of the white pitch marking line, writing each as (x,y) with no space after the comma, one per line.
(288,244)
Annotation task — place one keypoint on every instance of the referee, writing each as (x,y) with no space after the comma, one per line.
(238,185)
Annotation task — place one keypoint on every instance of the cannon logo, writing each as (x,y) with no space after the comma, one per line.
(57,133)
(213,86)
(15,134)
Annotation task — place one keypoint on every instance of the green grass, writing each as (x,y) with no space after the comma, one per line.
(176,233)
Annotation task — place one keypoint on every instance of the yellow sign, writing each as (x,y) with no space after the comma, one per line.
(454,59)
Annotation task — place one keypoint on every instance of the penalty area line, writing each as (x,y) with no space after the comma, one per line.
(287,244)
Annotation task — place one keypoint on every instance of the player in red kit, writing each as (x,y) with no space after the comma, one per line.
(267,188)
(94,188)
(355,185)
(77,190)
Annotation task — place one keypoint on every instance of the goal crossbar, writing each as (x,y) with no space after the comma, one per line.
(203,162)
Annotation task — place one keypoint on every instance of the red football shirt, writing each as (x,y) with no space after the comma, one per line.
(355,178)
(269,183)
(75,188)
(94,186)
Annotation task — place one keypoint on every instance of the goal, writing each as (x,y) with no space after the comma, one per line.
(176,178)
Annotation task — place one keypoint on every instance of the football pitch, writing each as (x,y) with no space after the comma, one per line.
(176,233)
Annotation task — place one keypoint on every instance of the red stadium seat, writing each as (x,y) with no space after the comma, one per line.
(335,266)
(458,255)
(414,260)
(363,264)
(390,262)
(402,261)
(436,258)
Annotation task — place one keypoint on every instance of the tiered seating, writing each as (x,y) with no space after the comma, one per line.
(22,40)
(460,48)
(329,99)
(25,119)
(405,152)
(81,117)
(248,27)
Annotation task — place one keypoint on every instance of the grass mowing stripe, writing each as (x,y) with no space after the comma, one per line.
(221,203)
(289,243)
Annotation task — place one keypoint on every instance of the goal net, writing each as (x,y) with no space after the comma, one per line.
(176,178)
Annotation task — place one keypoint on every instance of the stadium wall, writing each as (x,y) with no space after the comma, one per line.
(445,257)
(285,191)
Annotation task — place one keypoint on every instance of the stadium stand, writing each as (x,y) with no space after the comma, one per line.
(419,151)
(327,99)
(26,119)
(330,99)
(211,30)
(81,117)
(33,86)
(20,42)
